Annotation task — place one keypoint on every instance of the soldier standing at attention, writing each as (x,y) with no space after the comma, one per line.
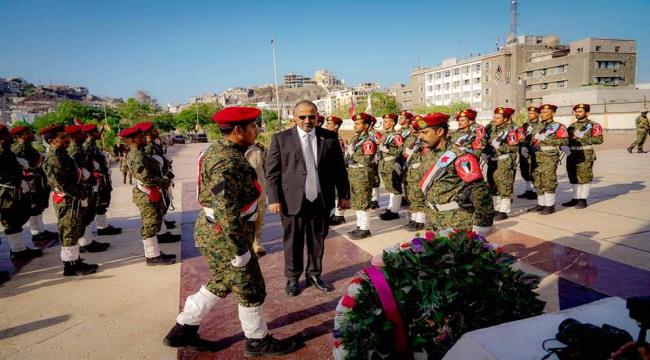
(526,154)
(84,163)
(376,180)
(502,149)
(545,143)
(124,169)
(69,198)
(224,233)
(583,135)
(453,185)
(102,174)
(390,166)
(148,196)
(256,157)
(642,129)
(333,124)
(415,166)
(31,162)
(470,137)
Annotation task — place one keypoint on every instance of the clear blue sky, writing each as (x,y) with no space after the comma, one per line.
(177,49)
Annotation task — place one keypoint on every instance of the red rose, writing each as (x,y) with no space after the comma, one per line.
(348,301)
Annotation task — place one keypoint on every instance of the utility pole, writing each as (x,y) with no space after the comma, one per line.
(275,76)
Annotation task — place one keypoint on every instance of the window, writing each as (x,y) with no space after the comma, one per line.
(429,77)
(611,80)
(487,65)
(447,73)
(579,50)
(529,87)
(466,82)
(477,94)
(456,71)
(617,48)
(487,91)
(429,88)
(437,87)
(466,69)
(456,84)
(529,74)
(447,86)
(543,86)
(561,84)
(477,67)
(477,80)
(542,72)
(598,47)
(437,75)
(487,77)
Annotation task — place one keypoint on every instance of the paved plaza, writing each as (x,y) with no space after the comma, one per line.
(126,308)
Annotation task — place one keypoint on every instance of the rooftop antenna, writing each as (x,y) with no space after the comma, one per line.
(513,20)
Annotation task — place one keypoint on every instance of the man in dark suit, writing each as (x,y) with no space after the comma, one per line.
(304,167)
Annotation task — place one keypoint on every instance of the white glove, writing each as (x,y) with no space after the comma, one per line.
(539,137)
(495,143)
(241,261)
(579,134)
(25,186)
(565,149)
(383,148)
(524,152)
(481,230)
(84,203)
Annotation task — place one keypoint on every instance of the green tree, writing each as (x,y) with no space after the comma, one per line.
(196,116)
(66,112)
(451,109)
(132,111)
(381,104)
(164,121)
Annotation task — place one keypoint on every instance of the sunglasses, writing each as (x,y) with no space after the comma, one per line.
(310,117)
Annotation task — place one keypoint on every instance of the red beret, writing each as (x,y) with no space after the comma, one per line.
(72,129)
(52,129)
(235,114)
(406,114)
(582,106)
(321,118)
(334,119)
(362,116)
(414,123)
(533,108)
(373,120)
(390,116)
(130,132)
(433,119)
(88,128)
(505,111)
(468,113)
(18,130)
(144,125)
(548,106)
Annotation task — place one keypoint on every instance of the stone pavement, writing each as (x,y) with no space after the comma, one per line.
(124,310)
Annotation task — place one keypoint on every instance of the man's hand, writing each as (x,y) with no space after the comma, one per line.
(344,204)
(643,351)
(565,149)
(275,208)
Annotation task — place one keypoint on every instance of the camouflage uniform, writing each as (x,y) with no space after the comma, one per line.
(527,157)
(454,187)
(84,163)
(156,152)
(361,171)
(418,163)
(545,143)
(101,174)
(376,180)
(390,161)
(642,130)
(229,193)
(502,164)
(14,205)
(583,134)
(124,168)
(472,139)
(39,190)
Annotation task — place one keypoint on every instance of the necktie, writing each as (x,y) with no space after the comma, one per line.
(311,187)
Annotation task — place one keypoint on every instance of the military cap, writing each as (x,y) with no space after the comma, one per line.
(468,113)
(414,122)
(587,107)
(130,132)
(505,111)
(235,115)
(433,119)
(18,130)
(548,107)
(88,128)
(144,125)
(72,129)
(533,108)
(406,114)
(373,120)
(52,129)
(367,119)
(321,118)
(334,119)
(390,116)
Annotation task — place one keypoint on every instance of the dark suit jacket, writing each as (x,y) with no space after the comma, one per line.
(286,171)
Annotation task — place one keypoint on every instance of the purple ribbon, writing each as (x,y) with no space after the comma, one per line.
(389,305)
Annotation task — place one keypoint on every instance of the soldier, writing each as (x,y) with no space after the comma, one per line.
(405,129)
(526,155)
(69,198)
(415,165)
(390,166)
(39,191)
(333,123)
(124,169)
(148,197)
(545,143)
(320,121)
(102,173)
(256,157)
(376,181)
(583,134)
(453,185)
(470,137)
(361,159)
(642,130)
(502,151)
(224,232)
(84,163)
(14,199)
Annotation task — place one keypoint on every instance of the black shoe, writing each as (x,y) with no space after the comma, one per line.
(109,230)
(389,215)
(500,216)
(336,220)
(408,225)
(351,232)
(78,267)
(167,238)
(417,227)
(582,203)
(404,202)
(319,284)
(573,202)
(4,277)
(374,205)
(94,246)
(292,287)
(170,224)
(630,149)
(187,336)
(162,259)
(269,347)
(529,194)
(25,254)
(548,210)
(45,236)
(641,151)
(537,208)
(359,234)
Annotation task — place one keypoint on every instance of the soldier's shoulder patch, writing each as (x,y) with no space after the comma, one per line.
(369,148)
(468,168)
(398,140)
(596,129)
(513,138)
(561,132)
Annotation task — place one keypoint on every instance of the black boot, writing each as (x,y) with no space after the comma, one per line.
(187,336)
(409,225)
(573,202)
(94,246)
(537,208)
(374,205)
(170,224)
(4,277)
(582,203)
(500,216)
(630,149)
(167,238)
(162,259)
(109,230)
(45,236)
(78,267)
(389,215)
(336,220)
(269,347)
(25,254)
(359,234)
(641,151)
(548,210)
(352,232)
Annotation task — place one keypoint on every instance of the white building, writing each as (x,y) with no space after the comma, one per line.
(325,105)
(454,81)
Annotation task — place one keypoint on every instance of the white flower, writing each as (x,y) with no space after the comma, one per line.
(341,309)
(354,290)
(445,233)
(339,353)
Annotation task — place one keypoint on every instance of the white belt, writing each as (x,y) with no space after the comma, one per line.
(501,157)
(389,158)
(357,166)
(445,207)
(547,148)
(586,147)
(141,187)
(7,186)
